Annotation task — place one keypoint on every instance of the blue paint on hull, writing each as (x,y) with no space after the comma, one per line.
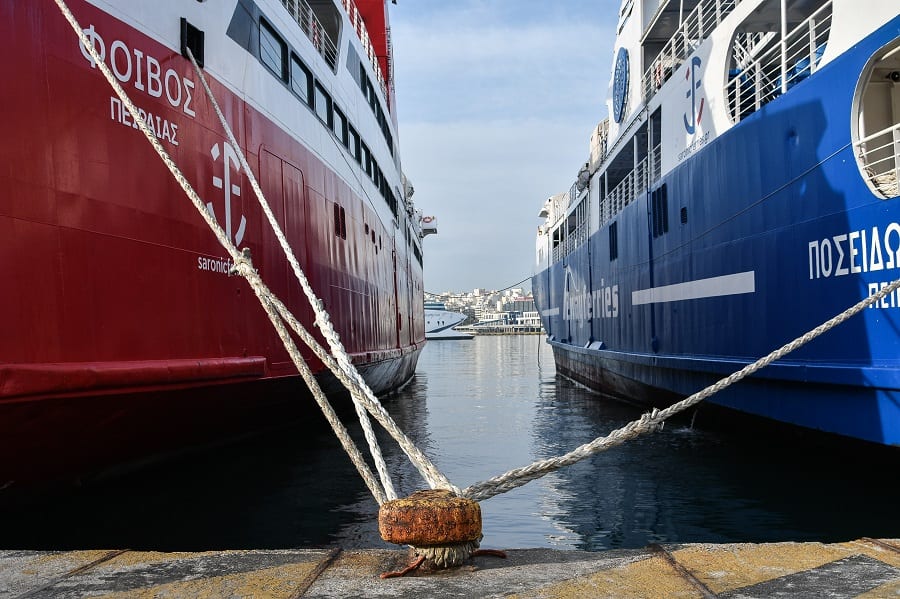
(756,198)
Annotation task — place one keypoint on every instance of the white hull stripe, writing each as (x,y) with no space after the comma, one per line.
(738,283)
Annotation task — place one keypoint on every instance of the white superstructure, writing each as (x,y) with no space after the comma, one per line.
(439,322)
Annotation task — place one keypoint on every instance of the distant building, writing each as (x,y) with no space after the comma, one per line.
(493,311)
(517,304)
(531,319)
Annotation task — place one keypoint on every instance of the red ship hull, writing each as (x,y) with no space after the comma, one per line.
(121,334)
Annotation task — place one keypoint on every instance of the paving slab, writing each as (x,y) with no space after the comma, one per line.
(866,568)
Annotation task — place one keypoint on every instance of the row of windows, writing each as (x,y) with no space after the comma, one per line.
(368,91)
(287,66)
(340,231)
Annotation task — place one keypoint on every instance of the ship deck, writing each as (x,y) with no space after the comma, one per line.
(869,567)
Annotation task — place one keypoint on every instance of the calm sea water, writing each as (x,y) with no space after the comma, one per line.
(479,408)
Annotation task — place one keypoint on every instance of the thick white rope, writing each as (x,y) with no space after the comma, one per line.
(322,318)
(652,420)
(241,263)
(332,365)
(346,372)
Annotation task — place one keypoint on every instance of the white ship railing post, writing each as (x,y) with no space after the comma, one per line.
(812,45)
(896,136)
(784,33)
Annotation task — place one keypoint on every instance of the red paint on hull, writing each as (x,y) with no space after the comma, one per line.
(120,328)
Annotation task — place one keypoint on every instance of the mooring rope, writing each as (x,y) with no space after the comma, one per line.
(360,392)
(341,365)
(323,320)
(651,421)
(241,264)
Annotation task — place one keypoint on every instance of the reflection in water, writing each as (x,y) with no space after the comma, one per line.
(479,408)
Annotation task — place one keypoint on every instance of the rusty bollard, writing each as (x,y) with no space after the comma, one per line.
(443,529)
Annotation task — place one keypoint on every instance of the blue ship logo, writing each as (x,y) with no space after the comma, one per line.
(690,123)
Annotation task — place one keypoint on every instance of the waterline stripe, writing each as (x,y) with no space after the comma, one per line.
(550,312)
(742,282)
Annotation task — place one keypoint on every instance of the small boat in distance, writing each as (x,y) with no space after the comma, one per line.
(439,323)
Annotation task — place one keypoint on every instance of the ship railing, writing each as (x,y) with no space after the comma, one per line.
(573,231)
(559,237)
(879,155)
(570,229)
(304,15)
(747,46)
(696,27)
(582,221)
(655,158)
(780,66)
(635,183)
(599,143)
(362,33)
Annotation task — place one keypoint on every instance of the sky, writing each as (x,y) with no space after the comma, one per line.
(496,101)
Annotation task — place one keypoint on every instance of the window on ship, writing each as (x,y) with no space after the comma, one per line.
(340,126)
(272,49)
(301,79)
(876,125)
(284,63)
(353,143)
(322,105)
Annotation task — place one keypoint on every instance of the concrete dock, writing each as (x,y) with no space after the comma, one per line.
(865,567)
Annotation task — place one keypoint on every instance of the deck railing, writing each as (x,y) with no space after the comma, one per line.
(701,21)
(879,155)
(625,192)
(655,164)
(771,72)
(303,14)
(636,182)
(363,34)
(579,235)
(573,230)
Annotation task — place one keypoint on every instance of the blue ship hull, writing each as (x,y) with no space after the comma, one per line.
(773,216)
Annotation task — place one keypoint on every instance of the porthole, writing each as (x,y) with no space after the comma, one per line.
(876,122)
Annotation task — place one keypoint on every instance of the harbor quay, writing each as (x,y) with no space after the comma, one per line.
(863,567)
(503,329)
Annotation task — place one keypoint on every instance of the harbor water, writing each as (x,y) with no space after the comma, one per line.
(479,408)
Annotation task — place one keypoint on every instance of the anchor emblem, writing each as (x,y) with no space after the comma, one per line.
(696,112)
(230,161)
